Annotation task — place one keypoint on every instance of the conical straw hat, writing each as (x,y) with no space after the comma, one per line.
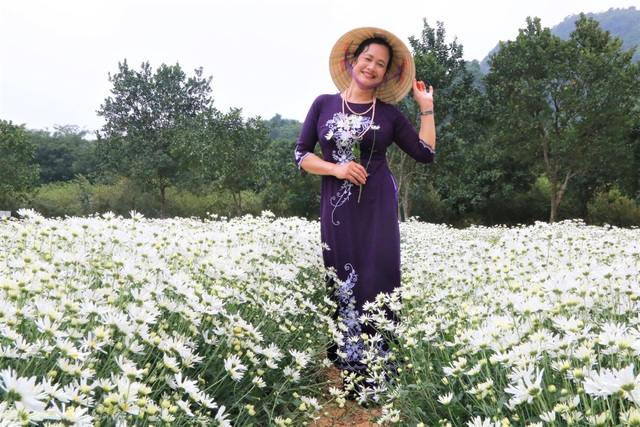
(398,79)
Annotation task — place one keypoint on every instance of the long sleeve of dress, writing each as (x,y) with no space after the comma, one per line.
(408,139)
(308,134)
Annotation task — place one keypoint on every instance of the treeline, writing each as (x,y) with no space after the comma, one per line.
(551,132)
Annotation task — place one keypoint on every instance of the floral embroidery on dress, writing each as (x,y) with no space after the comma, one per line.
(340,199)
(353,346)
(299,157)
(345,130)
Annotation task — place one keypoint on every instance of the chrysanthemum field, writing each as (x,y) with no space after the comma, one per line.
(111,321)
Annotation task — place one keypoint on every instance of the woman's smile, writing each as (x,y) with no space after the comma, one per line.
(371,64)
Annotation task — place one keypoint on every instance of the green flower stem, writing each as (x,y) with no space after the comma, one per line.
(366,168)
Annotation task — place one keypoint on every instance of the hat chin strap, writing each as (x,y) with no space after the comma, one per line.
(358,82)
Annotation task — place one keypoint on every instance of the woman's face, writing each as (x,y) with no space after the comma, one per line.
(371,64)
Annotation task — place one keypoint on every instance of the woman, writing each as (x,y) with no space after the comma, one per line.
(373,70)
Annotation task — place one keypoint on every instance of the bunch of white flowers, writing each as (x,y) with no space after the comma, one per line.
(123,320)
(225,322)
(522,326)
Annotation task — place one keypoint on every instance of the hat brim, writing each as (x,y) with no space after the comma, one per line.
(399,76)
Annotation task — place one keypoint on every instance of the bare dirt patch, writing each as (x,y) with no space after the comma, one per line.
(351,415)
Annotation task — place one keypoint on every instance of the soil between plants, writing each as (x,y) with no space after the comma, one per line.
(351,415)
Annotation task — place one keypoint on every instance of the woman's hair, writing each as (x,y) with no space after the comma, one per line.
(375,40)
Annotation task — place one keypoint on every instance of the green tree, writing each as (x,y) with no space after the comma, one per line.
(287,190)
(18,174)
(437,64)
(566,104)
(226,152)
(630,183)
(283,128)
(146,118)
(63,154)
(459,119)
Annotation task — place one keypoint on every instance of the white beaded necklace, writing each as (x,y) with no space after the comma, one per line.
(372,109)
(344,100)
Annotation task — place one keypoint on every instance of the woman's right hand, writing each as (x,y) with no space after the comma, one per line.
(354,172)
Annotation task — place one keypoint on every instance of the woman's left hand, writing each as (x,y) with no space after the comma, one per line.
(423,97)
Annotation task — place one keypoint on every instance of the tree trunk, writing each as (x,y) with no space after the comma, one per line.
(402,168)
(237,202)
(399,205)
(406,203)
(557,194)
(555,201)
(163,200)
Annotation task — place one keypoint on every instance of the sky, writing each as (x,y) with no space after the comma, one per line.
(266,57)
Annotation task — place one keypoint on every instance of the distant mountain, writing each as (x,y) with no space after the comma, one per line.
(623,23)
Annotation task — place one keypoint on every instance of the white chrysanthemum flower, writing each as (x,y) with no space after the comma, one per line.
(291,373)
(573,417)
(527,386)
(611,381)
(129,368)
(185,406)
(29,214)
(301,358)
(455,368)
(125,395)
(312,402)
(599,420)
(57,392)
(70,415)
(482,422)
(221,418)
(548,417)
(234,367)
(445,399)
(170,363)
(190,386)
(631,417)
(272,352)
(259,382)
(601,384)
(50,327)
(23,391)
(68,349)
(118,321)
(166,416)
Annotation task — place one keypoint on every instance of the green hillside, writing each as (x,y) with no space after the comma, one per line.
(623,23)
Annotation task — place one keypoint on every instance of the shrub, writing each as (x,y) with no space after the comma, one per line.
(57,199)
(82,198)
(613,208)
